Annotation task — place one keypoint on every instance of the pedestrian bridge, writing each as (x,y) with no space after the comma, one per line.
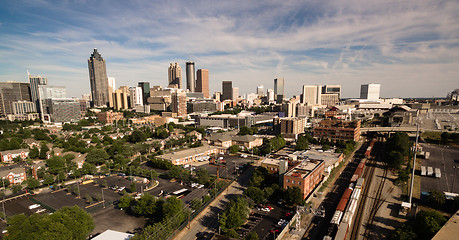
(389,129)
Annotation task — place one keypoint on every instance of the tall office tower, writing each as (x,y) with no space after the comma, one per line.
(145,91)
(98,79)
(227,90)
(62,110)
(218,96)
(260,91)
(175,76)
(111,89)
(332,89)
(35,81)
(279,89)
(136,96)
(190,78)
(235,94)
(178,104)
(270,94)
(370,91)
(202,83)
(120,98)
(12,92)
(311,94)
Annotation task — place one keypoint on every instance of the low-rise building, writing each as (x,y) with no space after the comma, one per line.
(226,140)
(306,176)
(331,159)
(8,155)
(338,130)
(275,166)
(291,127)
(14,175)
(191,154)
(109,116)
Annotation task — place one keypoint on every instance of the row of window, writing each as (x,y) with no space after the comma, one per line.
(293,181)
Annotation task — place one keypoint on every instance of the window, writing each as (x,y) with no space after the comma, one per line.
(288,180)
(293,181)
(299,183)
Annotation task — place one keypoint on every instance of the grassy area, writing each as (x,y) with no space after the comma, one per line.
(417,184)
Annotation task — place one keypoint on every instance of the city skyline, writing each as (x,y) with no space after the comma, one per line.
(409,48)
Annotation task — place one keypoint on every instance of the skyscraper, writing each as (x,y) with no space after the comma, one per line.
(279,89)
(145,91)
(111,89)
(311,94)
(332,89)
(35,81)
(175,76)
(178,104)
(202,83)
(98,79)
(260,90)
(370,91)
(190,78)
(235,93)
(136,96)
(12,92)
(227,90)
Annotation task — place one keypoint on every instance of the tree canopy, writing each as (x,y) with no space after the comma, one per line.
(66,223)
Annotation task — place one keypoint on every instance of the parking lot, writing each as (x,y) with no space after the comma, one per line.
(233,162)
(270,225)
(439,121)
(447,159)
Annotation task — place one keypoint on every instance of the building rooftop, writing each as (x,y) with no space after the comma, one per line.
(451,228)
(113,235)
(338,123)
(187,152)
(271,161)
(329,158)
(304,168)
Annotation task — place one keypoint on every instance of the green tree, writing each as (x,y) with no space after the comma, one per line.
(294,196)
(146,205)
(436,198)
(404,232)
(172,206)
(97,156)
(301,143)
(252,236)
(202,176)
(43,151)
(125,201)
(233,149)
(196,204)
(48,179)
(428,223)
(55,164)
(32,183)
(256,194)
(16,188)
(34,153)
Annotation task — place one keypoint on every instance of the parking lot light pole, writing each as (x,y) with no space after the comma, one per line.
(414,162)
(103,199)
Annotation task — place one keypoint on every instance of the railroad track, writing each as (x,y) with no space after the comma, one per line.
(368,176)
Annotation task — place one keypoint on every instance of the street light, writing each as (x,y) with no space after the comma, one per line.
(414,161)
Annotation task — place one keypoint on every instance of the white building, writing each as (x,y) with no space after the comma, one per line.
(312,94)
(270,94)
(260,90)
(370,91)
(136,96)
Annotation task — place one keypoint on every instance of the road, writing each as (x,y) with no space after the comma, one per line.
(207,220)
(447,159)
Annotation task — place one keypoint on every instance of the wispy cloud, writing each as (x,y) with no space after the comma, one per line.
(402,45)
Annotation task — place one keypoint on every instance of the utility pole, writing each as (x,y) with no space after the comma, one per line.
(103,199)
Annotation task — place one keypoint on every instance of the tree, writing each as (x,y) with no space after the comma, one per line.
(256,194)
(43,151)
(394,159)
(16,188)
(97,156)
(125,201)
(301,143)
(428,223)
(48,179)
(32,183)
(34,153)
(404,232)
(172,206)
(137,136)
(252,236)
(55,164)
(436,198)
(294,196)
(196,204)
(146,205)
(202,175)
(235,214)
(233,149)
(133,187)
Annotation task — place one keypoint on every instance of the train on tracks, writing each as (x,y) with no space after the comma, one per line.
(341,222)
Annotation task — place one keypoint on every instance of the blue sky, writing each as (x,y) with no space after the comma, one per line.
(410,47)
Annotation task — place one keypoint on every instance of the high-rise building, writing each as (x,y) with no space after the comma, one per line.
(136,97)
(190,78)
(175,76)
(23,107)
(270,95)
(312,94)
(12,92)
(178,104)
(370,91)
(260,90)
(120,98)
(63,110)
(332,89)
(98,79)
(49,92)
(235,94)
(279,89)
(145,91)
(227,90)
(202,83)
(35,81)
(111,89)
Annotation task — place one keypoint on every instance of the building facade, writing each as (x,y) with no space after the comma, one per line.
(145,91)
(279,89)
(227,90)
(136,96)
(14,176)
(109,116)
(35,81)
(120,98)
(332,89)
(260,90)
(178,104)
(311,94)
(63,110)
(338,130)
(190,77)
(23,107)
(98,79)
(175,76)
(291,127)
(12,92)
(202,82)
(8,155)
(306,176)
(370,91)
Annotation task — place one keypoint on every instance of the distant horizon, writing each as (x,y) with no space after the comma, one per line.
(410,48)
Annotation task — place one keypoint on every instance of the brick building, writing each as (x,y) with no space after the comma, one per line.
(109,116)
(338,130)
(306,176)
